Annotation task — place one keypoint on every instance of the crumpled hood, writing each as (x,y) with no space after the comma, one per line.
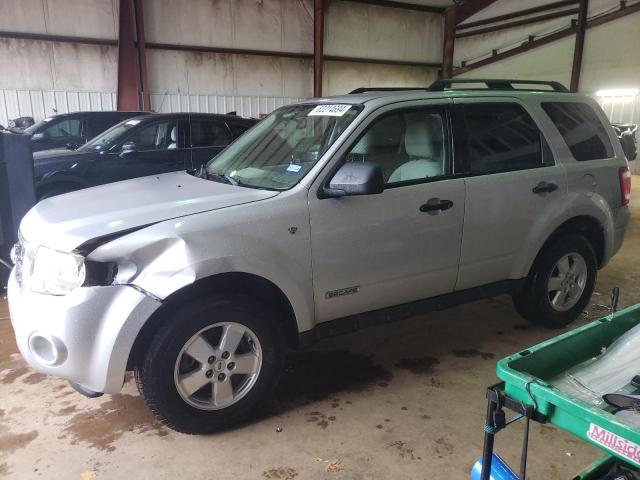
(67,221)
(57,159)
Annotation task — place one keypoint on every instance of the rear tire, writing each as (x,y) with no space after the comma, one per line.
(196,346)
(560,283)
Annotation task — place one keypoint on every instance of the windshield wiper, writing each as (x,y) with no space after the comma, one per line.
(227,178)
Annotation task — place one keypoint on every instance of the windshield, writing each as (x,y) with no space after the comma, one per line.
(279,151)
(110,137)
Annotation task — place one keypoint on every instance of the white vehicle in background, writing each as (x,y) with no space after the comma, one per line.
(327,216)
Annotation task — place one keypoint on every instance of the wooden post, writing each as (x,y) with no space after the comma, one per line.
(579,46)
(448,43)
(318,46)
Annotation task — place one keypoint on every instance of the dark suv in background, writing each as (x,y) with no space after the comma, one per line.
(70,130)
(140,146)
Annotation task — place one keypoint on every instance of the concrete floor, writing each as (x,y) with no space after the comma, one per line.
(401,401)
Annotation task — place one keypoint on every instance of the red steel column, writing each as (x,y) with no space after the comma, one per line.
(579,47)
(127,61)
(318,46)
(143,86)
(132,66)
(448,43)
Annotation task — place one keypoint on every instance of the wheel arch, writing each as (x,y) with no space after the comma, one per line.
(231,282)
(57,179)
(585,225)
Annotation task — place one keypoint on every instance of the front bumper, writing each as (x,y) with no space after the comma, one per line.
(85,336)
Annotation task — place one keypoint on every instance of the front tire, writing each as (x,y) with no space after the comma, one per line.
(212,364)
(560,283)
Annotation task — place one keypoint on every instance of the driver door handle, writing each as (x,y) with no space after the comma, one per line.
(545,187)
(435,205)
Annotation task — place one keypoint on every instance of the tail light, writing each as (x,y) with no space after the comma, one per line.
(625,185)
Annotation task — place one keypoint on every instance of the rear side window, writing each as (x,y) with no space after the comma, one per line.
(581,129)
(500,137)
(205,133)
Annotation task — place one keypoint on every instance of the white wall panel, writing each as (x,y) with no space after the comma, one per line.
(206,23)
(228,74)
(285,25)
(610,58)
(42,103)
(550,62)
(22,16)
(357,30)
(342,77)
(244,105)
(83,18)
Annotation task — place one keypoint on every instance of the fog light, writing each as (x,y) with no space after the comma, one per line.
(49,351)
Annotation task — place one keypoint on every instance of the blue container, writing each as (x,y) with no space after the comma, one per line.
(499,470)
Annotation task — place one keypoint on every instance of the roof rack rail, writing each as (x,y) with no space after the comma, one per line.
(384,89)
(497,84)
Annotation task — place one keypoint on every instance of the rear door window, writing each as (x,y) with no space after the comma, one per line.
(207,133)
(581,129)
(500,137)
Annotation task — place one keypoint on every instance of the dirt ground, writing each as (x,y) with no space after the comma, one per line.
(400,401)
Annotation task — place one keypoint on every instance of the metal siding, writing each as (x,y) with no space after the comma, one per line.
(245,105)
(42,103)
(623,110)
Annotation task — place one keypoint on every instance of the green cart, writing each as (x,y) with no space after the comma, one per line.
(524,389)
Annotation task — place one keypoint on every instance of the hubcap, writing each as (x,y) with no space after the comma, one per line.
(218,366)
(567,282)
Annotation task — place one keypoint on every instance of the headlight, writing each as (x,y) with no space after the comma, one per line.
(55,273)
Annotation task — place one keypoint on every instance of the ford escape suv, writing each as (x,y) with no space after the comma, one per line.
(328,216)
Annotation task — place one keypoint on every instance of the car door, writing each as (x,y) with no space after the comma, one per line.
(153,147)
(513,187)
(376,251)
(208,138)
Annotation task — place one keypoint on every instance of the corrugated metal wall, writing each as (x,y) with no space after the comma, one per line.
(245,105)
(42,103)
(623,110)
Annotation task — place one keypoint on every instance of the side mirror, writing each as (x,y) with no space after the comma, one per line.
(127,148)
(72,146)
(38,137)
(359,178)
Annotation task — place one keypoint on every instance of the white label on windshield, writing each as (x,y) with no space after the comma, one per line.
(133,122)
(336,110)
(48,119)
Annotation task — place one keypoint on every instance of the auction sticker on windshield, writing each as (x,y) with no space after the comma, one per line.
(335,110)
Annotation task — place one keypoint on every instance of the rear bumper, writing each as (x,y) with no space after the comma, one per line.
(620,221)
(85,336)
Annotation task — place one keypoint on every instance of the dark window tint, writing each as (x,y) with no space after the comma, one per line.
(205,133)
(500,137)
(64,129)
(100,123)
(580,127)
(408,146)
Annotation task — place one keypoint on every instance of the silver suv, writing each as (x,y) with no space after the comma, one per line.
(328,216)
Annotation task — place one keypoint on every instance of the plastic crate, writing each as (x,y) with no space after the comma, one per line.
(532,368)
